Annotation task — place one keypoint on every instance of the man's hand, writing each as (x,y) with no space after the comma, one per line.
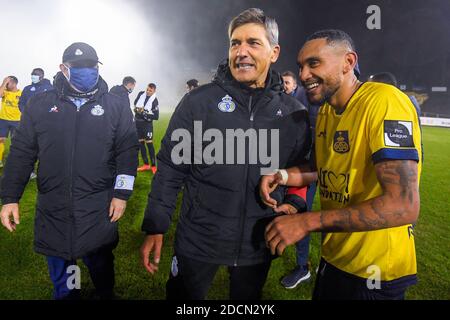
(286,208)
(138,110)
(117,209)
(152,244)
(5,81)
(10,210)
(286,230)
(266,186)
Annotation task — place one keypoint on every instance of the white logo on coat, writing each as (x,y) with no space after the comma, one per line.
(227,104)
(97,110)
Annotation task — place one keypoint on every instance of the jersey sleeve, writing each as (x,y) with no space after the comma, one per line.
(394,131)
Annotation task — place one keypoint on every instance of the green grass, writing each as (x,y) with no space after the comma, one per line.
(24,275)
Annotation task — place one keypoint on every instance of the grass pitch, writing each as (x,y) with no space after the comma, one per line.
(24,275)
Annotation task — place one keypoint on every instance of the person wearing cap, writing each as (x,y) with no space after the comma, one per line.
(9,111)
(367,160)
(124,90)
(86,144)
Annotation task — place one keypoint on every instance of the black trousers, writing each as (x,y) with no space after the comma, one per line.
(145,132)
(335,284)
(190,280)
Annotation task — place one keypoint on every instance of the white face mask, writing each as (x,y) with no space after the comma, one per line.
(35,79)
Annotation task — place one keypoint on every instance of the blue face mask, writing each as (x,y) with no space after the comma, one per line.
(35,79)
(83,79)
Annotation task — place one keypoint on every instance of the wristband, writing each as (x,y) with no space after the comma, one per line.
(284,176)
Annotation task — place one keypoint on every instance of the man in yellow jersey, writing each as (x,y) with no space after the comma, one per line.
(9,112)
(368,167)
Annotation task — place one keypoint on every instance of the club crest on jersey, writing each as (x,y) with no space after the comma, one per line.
(340,142)
(227,104)
(97,110)
(33,89)
(279,113)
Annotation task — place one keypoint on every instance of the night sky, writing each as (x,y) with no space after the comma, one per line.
(413,43)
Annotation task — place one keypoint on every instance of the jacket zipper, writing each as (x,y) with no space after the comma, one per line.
(71,181)
(244,211)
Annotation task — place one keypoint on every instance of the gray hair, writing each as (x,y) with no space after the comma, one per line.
(255,15)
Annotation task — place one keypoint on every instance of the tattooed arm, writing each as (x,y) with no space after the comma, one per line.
(398,205)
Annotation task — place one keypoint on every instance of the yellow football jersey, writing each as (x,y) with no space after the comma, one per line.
(10,106)
(379,123)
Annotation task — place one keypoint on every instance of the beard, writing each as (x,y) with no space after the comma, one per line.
(329,87)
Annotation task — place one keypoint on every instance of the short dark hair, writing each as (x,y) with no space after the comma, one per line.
(192,83)
(333,36)
(152,85)
(38,71)
(384,77)
(255,15)
(14,79)
(128,80)
(289,74)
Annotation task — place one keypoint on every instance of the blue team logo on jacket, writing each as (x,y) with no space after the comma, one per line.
(97,110)
(340,142)
(227,104)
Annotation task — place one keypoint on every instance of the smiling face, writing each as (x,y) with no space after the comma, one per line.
(327,71)
(150,91)
(321,70)
(250,54)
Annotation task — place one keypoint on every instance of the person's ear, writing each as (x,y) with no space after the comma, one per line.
(64,69)
(275,54)
(351,59)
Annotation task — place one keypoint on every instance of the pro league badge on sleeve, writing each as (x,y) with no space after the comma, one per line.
(398,133)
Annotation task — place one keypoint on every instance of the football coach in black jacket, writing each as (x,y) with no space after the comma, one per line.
(222,218)
(85,141)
